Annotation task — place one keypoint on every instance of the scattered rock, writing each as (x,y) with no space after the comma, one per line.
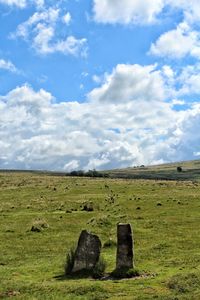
(88,206)
(39,225)
(36,228)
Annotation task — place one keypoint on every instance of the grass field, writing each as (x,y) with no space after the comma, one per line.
(190,171)
(165,217)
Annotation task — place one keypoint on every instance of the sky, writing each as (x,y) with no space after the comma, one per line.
(98,84)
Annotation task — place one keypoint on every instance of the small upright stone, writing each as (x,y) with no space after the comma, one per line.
(124,247)
(88,252)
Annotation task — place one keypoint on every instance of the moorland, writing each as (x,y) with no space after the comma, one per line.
(165,218)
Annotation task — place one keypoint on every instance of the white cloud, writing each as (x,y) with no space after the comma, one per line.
(72,165)
(71,46)
(191,9)
(39,3)
(96,78)
(38,20)
(125,122)
(130,83)
(168,72)
(178,102)
(142,12)
(178,43)
(127,11)
(41,31)
(18,3)
(186,143)
(8,65)
(189,80)
(67,18)
(42,39)
(23,3)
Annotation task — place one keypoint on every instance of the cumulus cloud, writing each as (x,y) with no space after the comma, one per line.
(187,138)
(178,43)
(127,11)
(8,66)
(189,80)
(190,9)
(41,31)
(142,12)
(130,82)
(119,125)
(184,40)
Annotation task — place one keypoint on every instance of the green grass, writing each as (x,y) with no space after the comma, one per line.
(190,171)
(165,220)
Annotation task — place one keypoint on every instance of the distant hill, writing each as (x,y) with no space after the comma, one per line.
(188,170)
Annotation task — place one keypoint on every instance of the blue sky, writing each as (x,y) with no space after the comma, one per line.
(98,83)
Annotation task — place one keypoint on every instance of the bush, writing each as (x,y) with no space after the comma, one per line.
(79,173)
(179,169)
(89,173)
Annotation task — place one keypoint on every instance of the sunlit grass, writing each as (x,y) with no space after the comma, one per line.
(166,236)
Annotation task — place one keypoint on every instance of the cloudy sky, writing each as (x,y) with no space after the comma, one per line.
(98,83)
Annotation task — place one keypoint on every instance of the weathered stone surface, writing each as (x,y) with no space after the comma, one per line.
(87,252)
(124,247)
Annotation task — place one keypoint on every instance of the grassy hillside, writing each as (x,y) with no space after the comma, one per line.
(165,219)
(190,171)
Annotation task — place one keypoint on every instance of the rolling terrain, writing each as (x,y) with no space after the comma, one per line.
(164,215)
(190,171)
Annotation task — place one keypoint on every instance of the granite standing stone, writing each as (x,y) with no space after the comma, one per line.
(124,247)
(87,252)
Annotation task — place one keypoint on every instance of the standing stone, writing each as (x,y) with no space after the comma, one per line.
(124,247)
(87,252)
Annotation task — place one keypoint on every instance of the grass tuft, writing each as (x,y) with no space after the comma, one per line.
(125,273)
(99,269)
(184,283)
(39,225)
(70,261)
(97,272)
(110,243)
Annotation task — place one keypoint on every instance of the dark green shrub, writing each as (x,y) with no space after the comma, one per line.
(179,169)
